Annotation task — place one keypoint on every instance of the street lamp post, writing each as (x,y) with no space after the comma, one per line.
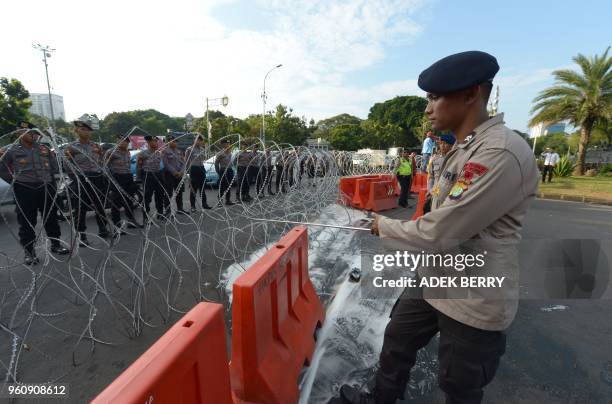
(47,53)
(224,101)
(263,96)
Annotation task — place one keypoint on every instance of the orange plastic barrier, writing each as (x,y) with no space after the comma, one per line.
(381,196)
(188,364)
(392,178)
(362,191)
(419,181)
(420,208)
(274,317)
(347,190)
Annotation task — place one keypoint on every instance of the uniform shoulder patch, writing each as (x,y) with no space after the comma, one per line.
(470,173)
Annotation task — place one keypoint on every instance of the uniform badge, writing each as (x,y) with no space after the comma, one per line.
(471,172)
(435,191)
(23,162)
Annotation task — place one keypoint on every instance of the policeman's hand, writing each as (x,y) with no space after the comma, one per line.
(374,228)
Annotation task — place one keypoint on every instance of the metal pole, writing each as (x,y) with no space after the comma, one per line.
(263,115)
(207,122)
(313,224)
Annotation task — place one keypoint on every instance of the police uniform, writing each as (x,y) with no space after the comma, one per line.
(88,184)
(118,163)
(404,176)
(434,169)
(223,166)
(149,172)
(242,161)
(264,177)
(481,198)
(280,171)
(197,175)
(254,166)
(30,170)
(174,165)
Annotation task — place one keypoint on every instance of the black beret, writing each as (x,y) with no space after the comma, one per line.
(457,72)
(25,125)
(148,138)
(170,137)
(226,141)
(121,138)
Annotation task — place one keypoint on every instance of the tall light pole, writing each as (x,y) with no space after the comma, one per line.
(224,101)
(47,53)
(263,96)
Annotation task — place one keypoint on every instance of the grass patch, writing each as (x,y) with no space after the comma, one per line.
(590,187)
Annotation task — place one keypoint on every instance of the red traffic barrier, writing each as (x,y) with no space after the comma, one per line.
(381,196)
(419,181)
(188,364)
(392,178)
(347,190)
(362,191)
(420,208)
(274,317)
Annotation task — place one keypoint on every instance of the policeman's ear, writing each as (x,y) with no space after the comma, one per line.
(472,95)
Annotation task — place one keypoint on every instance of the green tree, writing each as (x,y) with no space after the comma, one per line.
(406,112)
(583,98)
(347,136)
(14,104)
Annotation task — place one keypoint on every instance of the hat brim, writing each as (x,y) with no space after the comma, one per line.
(82,125)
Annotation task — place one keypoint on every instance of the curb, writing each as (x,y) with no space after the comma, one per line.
(574,198)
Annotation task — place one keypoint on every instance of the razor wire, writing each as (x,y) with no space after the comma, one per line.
(116,288)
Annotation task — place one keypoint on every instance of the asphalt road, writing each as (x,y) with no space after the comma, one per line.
(555,356)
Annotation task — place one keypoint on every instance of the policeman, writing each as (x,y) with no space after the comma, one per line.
(254,167)
(434,169)
(488,180)
(223,166)
(29,167)
(243,159)
(118,163)
(174,166)
(148,171)
(280,171)
(404,175)
(264,177)
(194,156)
(88,182)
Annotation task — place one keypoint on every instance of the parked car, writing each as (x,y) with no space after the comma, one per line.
(6,193)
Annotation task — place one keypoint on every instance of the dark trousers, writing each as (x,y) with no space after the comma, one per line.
(225,183)
(549,170)
(280,179)
(172,185)
(31,199)
(264,179)
(197,175)
(242,191)
(468,357)
(153,184)
(404,182)
(88,192)
(122,197)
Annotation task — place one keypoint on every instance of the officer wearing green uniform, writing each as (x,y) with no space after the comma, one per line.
(404,176)
(29,167)
(488,180)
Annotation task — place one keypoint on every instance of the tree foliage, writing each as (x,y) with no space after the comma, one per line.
(14,104)
(405,112)
(583,98)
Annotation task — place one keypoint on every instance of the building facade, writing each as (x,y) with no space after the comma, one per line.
(40,105)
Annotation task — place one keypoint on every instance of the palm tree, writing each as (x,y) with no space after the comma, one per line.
(582,98)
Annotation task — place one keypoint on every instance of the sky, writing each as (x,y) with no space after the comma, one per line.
(337,56)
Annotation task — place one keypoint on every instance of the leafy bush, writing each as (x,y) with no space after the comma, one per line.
(606,170)
(564,167)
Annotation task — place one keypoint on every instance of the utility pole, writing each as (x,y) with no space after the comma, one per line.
(263,96)
(47,53)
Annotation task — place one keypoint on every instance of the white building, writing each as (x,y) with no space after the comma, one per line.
(40,105)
